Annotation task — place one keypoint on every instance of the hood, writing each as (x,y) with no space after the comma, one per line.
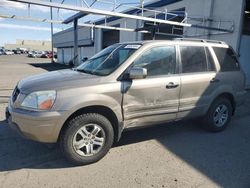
(57,80)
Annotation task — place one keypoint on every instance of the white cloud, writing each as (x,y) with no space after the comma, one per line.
(39,8)
(9,4)
(37,28)
(65,11)
(47,9)
(17,5)
(23,6)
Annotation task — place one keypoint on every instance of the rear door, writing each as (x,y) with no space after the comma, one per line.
(198,80)
(154,99)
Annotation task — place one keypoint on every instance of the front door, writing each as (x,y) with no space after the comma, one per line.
(154,99)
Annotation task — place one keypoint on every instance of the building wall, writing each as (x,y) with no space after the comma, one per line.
(64,42)
(68,54)
(87,52)
(30,45)
(229,10)
(124,36)
(245,57)
(60,55)
(33,42)
(66,38)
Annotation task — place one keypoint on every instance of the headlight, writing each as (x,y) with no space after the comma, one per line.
(41,100)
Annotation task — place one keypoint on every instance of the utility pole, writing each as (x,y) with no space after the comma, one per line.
(51,30)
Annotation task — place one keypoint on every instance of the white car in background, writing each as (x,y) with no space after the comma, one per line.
(35,54)
(8,52)
(39,54)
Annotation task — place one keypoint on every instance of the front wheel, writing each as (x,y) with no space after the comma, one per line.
(87,138)
(218,115)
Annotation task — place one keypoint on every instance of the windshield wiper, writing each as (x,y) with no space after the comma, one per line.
(84,71)
(89,72)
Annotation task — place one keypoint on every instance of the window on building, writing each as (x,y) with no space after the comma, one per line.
(227,59)
(158,61)
(193,59)
(110,37)
(165,31)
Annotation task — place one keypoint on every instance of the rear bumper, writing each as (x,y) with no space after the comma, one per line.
(38,126)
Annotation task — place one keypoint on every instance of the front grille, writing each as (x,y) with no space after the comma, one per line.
(15,94)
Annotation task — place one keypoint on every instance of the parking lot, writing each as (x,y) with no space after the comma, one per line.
(170,155)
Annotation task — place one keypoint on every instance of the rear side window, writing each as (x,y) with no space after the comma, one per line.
(227,59)
(193,59)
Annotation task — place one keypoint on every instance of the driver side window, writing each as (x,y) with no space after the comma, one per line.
(158,61)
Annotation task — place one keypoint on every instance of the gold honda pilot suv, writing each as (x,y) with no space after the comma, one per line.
(128,85)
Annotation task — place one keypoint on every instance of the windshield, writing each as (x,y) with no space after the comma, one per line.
(108,60)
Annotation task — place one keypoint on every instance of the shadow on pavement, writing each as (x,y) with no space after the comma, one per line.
(50,66)
(17,152)
(223,157)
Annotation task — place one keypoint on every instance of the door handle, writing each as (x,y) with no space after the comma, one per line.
(214,80)
(171,85)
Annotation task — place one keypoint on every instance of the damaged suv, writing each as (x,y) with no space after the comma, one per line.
(128,85)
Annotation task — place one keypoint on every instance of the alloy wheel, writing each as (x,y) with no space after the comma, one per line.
(89,140)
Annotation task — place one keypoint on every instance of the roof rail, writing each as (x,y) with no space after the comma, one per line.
(200,40)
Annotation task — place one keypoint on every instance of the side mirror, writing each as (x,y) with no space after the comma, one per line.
(84,59)
(137,73)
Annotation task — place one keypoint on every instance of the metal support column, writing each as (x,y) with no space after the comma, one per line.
(51,26)
(75,59)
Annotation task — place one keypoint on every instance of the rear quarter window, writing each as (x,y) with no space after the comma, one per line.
(227,59)
(210,60)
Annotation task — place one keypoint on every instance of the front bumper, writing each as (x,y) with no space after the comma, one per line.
(38,126)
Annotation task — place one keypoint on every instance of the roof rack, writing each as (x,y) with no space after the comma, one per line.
(200,40)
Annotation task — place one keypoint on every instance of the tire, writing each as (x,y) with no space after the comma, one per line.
(79,132)
(212,120)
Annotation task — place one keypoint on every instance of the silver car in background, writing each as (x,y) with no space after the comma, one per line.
(128,85)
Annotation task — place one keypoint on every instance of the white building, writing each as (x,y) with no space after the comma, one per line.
(30,45)
(211,19)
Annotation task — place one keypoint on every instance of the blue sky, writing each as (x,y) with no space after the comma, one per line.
(11,29)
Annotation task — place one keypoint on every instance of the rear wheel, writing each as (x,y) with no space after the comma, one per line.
(87,138)
(218,115)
